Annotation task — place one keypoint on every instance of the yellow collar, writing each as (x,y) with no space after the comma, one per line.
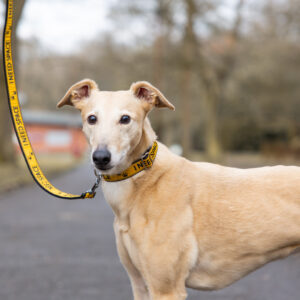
(145,162)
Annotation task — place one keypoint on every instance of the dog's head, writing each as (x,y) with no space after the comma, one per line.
(113,122)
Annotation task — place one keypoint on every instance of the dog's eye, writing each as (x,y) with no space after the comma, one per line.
(125,119)
(92,119)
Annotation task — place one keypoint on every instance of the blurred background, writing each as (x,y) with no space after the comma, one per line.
(231,68)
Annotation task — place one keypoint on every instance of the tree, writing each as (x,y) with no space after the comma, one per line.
(6,146)
(232,91)
(189,45)
(213,75)
(164,21)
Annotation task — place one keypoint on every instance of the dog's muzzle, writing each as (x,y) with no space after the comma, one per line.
(102,158)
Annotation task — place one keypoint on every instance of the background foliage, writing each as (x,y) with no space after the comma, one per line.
(235,81)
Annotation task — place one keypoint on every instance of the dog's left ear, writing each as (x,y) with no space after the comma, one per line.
(77,92)
(150,94)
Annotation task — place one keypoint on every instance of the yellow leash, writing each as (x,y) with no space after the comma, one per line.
(18,123)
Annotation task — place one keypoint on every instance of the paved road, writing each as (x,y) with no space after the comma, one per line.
(52,249)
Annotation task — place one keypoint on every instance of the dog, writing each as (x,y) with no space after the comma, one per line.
(179,223)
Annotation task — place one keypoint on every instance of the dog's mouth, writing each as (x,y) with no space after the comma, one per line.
(103,168)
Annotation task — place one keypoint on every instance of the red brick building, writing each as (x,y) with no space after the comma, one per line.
(54,132)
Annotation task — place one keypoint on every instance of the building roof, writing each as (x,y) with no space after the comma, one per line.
(43,117)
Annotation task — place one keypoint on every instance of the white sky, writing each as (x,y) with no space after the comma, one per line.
(64,25)
(61,25)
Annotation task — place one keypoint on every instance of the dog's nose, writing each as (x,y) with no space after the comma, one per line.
(101,157)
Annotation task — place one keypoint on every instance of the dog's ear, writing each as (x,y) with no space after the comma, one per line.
(77,92)
(150,94)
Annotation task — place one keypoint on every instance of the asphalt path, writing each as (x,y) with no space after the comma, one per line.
(52,249)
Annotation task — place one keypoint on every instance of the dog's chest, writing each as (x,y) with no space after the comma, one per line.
(117,193)
(118,196)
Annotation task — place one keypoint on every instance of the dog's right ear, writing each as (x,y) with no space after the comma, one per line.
(150,95)
(77,93)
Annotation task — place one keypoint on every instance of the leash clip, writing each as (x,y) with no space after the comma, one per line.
(92,192)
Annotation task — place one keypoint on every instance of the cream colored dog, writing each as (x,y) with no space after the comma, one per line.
(179,223)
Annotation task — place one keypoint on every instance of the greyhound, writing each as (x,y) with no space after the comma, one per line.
(179,223)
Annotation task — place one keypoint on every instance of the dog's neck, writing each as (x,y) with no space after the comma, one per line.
(147,139)
(119,194)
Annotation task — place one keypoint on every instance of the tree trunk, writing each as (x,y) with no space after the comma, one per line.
(186,112)
(158,76)
(212,142)
(188,49)
(160,119)
(213,87)
(6,145)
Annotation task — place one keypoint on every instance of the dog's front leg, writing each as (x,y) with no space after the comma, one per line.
(168,296)
(165,275)
(139,288)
